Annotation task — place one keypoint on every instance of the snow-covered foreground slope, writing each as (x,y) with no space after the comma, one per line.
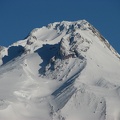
(64,71)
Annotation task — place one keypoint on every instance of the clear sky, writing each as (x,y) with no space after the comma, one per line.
(19,17)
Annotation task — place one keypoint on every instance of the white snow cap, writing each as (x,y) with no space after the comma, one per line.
(62,71)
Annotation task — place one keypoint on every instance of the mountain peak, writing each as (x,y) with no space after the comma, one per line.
(72,37)
(67,24)
(62,71)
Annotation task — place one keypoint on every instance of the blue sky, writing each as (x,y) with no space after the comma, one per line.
(19,17)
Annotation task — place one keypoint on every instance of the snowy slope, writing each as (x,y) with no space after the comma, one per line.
(63,71)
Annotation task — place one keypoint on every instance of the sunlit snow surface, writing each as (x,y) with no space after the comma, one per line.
(64,71)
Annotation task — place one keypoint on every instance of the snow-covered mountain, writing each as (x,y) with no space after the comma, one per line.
(63,71)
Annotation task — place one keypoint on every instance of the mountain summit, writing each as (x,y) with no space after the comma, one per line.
(62,71)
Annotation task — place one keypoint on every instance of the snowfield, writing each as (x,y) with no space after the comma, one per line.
(63,71)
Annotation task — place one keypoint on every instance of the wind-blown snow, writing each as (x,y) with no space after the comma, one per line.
(63,71)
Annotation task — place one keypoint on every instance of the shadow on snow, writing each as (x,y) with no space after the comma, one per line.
(46,53)
(13,52)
